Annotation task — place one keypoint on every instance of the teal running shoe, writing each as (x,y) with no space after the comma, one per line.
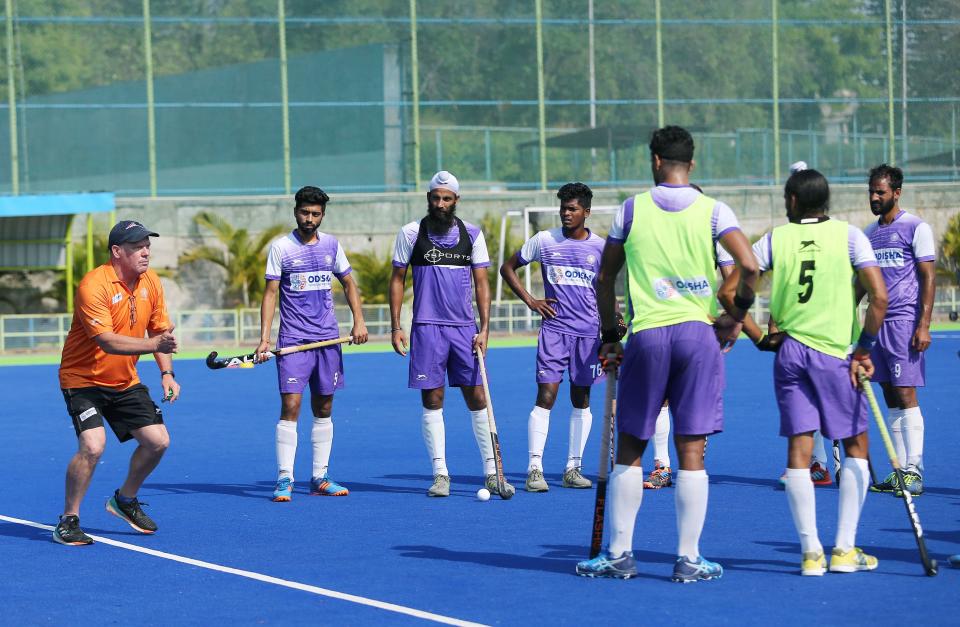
(132,513)
(887,485)
(322,486)
(284,490)
(686,571)
(606,565)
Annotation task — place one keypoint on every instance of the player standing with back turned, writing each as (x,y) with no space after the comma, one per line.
(570,332)
(667,237)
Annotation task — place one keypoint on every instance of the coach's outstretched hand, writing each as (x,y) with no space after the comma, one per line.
(771,342)
(166,342)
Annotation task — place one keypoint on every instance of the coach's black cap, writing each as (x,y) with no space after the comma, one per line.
(129,231)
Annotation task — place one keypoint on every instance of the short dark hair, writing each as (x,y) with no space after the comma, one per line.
(672,143)
(310,195)
(578,191)
(890,172)
(811,189)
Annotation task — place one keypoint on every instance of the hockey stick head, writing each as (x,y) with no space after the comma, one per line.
(212,362)
(215,363)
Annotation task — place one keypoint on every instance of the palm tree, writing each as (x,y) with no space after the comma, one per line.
(373,276)
(241,255)
(949,265)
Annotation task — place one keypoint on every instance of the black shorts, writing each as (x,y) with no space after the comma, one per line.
(126,411)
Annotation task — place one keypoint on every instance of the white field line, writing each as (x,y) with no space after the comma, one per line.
(333,594)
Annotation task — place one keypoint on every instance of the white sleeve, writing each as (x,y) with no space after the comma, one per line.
(341,266)
(923,243)
(479,255)
(723,257)
(402,248)
(726,220)
(274,265)
(762,250)
(531,250)
(861,252)
(616,229)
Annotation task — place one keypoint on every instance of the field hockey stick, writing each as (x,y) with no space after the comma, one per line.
(606,459)
(929,564)
(837,466)
(497,458)
(216,363)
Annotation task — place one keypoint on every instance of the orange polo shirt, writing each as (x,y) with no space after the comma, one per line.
(104,304)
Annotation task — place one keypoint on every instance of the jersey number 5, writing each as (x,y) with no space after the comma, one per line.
(806,279)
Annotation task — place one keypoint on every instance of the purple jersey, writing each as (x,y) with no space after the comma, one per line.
(899,247)
(442,292)
(306,272)
(672,198)
(569,269)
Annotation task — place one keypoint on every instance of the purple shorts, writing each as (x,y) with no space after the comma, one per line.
(321,367)
(896,361)
(438,350)
(680,363)
(814,392)
(557,352)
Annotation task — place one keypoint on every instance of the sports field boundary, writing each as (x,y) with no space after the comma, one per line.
(295,585)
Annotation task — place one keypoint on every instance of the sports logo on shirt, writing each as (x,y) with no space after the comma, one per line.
(435,256)
(889,257)
(311,281)
(116,299)
(667,288)
(569,275)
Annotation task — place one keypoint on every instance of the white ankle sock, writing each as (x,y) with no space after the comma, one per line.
(692,491)
(803,507)
(286,447)
(481,431)
(626,494)
(537,426)
(434,436)
(895,422)
(913,437)
(321,436)
(580,422)
(853,491)
(661,437)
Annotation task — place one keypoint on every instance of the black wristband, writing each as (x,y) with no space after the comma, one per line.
(743,303)
(609,336)
(169,372)
(396,329)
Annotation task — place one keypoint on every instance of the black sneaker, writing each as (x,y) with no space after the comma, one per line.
(68,532)
(131,513)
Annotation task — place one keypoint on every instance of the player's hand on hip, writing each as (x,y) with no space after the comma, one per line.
(166,341)
(544,308)
(399,340)
(860,363)
(480,342)
(771,342)
(727,331)
(171,389)
(359,333)
(262,352)
(921,339)
(611,355)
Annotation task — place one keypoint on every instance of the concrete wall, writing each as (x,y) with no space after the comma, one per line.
(369,222)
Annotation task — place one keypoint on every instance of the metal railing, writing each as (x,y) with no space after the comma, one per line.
(198,329)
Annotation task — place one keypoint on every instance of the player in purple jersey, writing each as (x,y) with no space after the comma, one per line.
(904,247)
(570,332)
(301,267)
(446,254)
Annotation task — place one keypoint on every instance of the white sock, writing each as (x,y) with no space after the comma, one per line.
(693,488)
(580,422)
(286,447)
(803,507)
(434,436)
(537,425)
(626,494)
(481,431)
(661,437)
(853,490)
(819,452)
(895,422)
(321,436)
(913,437)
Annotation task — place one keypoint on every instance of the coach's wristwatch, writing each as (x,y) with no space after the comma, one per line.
(169,372)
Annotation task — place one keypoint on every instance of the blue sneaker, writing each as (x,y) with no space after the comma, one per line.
(321,486)
(685,571)
(284,490)
(606,565)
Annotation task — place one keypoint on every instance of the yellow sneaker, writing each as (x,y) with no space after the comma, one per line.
(851,561)
(813,564)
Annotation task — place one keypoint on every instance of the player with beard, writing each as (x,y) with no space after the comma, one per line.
(446,253)
(904,246)
(301,267)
